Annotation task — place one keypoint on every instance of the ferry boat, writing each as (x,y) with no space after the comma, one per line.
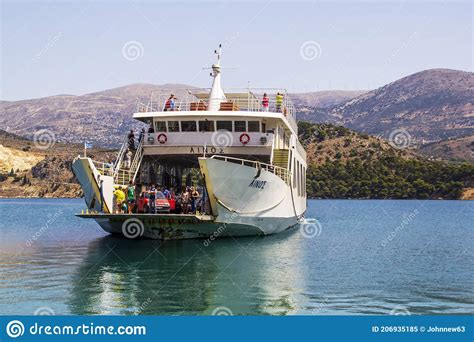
(240,146)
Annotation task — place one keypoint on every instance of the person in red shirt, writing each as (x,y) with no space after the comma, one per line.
(265,102)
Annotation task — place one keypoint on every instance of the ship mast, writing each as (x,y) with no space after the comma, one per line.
(217,94)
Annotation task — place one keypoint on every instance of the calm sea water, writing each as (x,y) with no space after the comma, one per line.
(364,257)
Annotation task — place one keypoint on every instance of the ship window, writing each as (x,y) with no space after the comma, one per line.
(298,176)
(227,125)
(304,181)
(206,126)
(239,126)
(188,126)
(294,172)
(254,126)
(173,126)
(160,126)
(301,180)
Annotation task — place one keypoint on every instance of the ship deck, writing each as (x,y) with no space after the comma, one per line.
(185,217)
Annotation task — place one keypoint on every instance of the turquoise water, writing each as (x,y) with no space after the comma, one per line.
(364,257)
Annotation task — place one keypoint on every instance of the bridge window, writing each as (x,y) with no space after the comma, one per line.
(254,126)
(188,126)
(173,126)
(160,126)
(227,125)
(206,126)
(239,126)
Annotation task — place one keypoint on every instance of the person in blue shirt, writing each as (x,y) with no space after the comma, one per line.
(152,198)
(167,193)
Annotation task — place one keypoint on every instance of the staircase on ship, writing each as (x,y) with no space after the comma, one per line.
(123,175)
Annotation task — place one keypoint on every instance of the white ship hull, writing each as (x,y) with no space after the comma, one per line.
(241,204)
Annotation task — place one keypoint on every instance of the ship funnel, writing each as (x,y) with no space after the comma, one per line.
(217,96)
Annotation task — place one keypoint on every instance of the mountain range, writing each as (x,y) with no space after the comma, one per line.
(431,106)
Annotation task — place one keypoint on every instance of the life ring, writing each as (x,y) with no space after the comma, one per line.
(162,138)
(244,138)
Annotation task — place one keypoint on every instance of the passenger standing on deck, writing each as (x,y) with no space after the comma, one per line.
(141,136)
(194,198)
(127,159)
(170,103)
(131,140)
(119,196)
(279,102)
(185,200)
(265,102)
(167,193)
(130,196)
(152,198)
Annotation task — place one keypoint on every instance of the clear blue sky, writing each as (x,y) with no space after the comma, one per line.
(68,47)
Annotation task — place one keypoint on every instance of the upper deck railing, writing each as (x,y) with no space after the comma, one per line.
(247,100)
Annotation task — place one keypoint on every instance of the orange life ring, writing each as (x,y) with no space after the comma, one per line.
(162,138)
(244,138)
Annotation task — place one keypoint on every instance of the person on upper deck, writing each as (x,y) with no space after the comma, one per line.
(170,104)
(279,102)
(141,136)
(131,140)
(265,102)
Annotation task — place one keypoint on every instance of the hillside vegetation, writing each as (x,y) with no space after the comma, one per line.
(346,164)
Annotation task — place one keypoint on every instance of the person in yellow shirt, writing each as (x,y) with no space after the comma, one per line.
(279,102)
(119,196)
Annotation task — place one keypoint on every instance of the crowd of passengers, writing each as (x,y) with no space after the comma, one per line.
(126,199)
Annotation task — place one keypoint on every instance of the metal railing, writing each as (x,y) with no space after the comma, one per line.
(247,100)
(106,169)
(137,159)
(281,172)
(120,155)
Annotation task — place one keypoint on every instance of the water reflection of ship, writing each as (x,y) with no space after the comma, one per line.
(185,277)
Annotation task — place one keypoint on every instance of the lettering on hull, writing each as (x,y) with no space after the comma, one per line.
(201,150)
(258,184)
